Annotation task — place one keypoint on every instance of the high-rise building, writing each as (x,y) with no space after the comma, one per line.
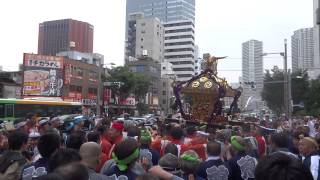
(64,35)
(165,10)
(179,48)
(302,47)
(315,72)
(252,72)
(145,38)
(178,18)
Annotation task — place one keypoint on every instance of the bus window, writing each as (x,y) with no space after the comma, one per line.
(1,110)
(9,112)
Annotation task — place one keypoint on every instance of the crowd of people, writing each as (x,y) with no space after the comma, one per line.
(265,150)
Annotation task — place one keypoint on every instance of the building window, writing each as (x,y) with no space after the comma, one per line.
(143,32)
(164,101)
(141,47)
(140,68)
(164,93)
(141,39)
(163,68)
(143,24)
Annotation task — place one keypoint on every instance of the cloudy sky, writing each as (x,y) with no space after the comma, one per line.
(221,27)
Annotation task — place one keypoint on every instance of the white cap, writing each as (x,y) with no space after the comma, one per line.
(34,135)
(43,121)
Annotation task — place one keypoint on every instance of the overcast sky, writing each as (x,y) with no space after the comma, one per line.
(221,27)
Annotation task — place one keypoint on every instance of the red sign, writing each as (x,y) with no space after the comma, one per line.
(72,95)
(79,95)
(106,95)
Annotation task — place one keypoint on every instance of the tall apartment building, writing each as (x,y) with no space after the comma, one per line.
(64,35)
(315,72)
(302,47)
(252,71)
(145,38)
(179,48)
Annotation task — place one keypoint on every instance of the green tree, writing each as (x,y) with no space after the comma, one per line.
(272,91)
(126,82)
(300,91)
(313,98)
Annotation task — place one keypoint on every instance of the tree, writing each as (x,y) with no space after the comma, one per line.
(126,82)
(313,98)
(272,91)
(300,91)
(122,81)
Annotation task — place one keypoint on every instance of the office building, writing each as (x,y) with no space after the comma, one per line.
(252,71)
(178,18)
(179,48)
(145,38)
(64,35)
(165,10)
(302,47)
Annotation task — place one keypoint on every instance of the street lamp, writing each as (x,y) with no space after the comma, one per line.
(287,88)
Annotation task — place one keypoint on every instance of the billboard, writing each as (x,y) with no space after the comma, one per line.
(42,76)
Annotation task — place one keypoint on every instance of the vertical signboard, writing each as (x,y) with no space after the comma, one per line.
(42,76)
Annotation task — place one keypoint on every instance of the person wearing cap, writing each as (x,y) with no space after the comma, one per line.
(47,145)
(262,146)
(242,165)
(190,162)
(55,124)
(309,148)
(32,145)
(21,125)
(115,136)
(198,144)
(125,155)
(78,123)
(145,151)
(43,125)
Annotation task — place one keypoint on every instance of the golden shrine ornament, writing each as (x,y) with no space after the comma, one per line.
(203,79)
(208,84)
(195,84)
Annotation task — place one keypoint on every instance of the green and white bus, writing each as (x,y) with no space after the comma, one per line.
(11,109)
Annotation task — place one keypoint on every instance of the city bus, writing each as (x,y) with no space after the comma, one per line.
(11,109)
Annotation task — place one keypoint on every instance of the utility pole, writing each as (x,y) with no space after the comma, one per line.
(289,94)
(98,110)
(285,75)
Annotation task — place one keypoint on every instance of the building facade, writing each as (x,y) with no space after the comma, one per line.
(252,72)
(165,10)
(145,38)
(302,48)
(60,78)
(179,48)
(152,69)
(10,84)
(64,35)
(90,58)
(316,38)
(178,18)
